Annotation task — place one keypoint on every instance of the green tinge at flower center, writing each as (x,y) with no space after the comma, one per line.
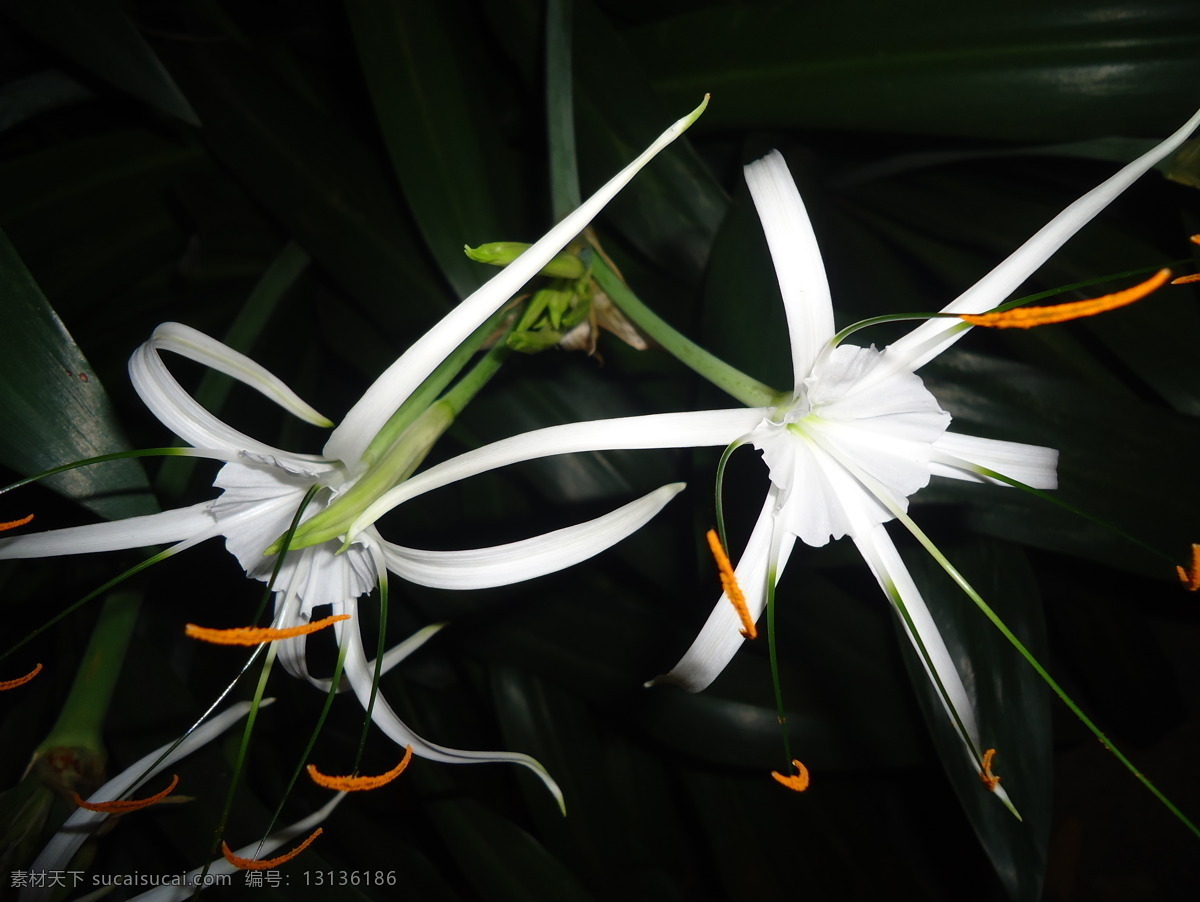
(396,465)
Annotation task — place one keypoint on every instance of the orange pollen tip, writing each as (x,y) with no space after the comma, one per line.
(124,806)
(1184,280)
(266,864)
(990,780)
(1028,317)
(354,784)
(1195,239)
(13,524)
(729,585)
(1190,577)
(797,782)
(256,635)
(20,681)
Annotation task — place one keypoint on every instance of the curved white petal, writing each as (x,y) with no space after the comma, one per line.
(83,823)
(797,259)
(516,562)
(360,674)
(390,390)
(931,338)
(959,456)
(843,389)
(195,345)
(665,430)
(179,411)
(133,532)
(720,638)
(257,849)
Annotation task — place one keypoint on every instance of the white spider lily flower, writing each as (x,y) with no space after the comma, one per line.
(263,487)
(857,435)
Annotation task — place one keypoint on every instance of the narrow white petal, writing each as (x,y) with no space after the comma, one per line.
(361,674)
(931,338)
(179,411)
(720,638)
(893,577)
(958,456)
(83,823)
(133,532)
(922,630)
(666,430)
(797,259)
(195,345)
(367,416)
(257,849)
(516,562)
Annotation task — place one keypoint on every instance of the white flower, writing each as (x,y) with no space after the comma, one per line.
(856,436)
(263,488)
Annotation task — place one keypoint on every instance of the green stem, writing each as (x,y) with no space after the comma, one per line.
(719,493)
(469,385)
(82,717)
(776,682)
(103,458)
(420,400)
(732,381)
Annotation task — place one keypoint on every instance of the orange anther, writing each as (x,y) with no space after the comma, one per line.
(730,585)
(1028,317)
(20,681)
(1184,280)
(797,782)
(266,864)
(1195,239)
(990,780)
(124,806)
(1191,576)
(13,524)
(354,784)
(256,635)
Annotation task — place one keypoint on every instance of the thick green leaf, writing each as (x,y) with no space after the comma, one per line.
(498,859)
(55,409)
(97,35)
(1011,71)
(321,181)
(446,150)
(678,204)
